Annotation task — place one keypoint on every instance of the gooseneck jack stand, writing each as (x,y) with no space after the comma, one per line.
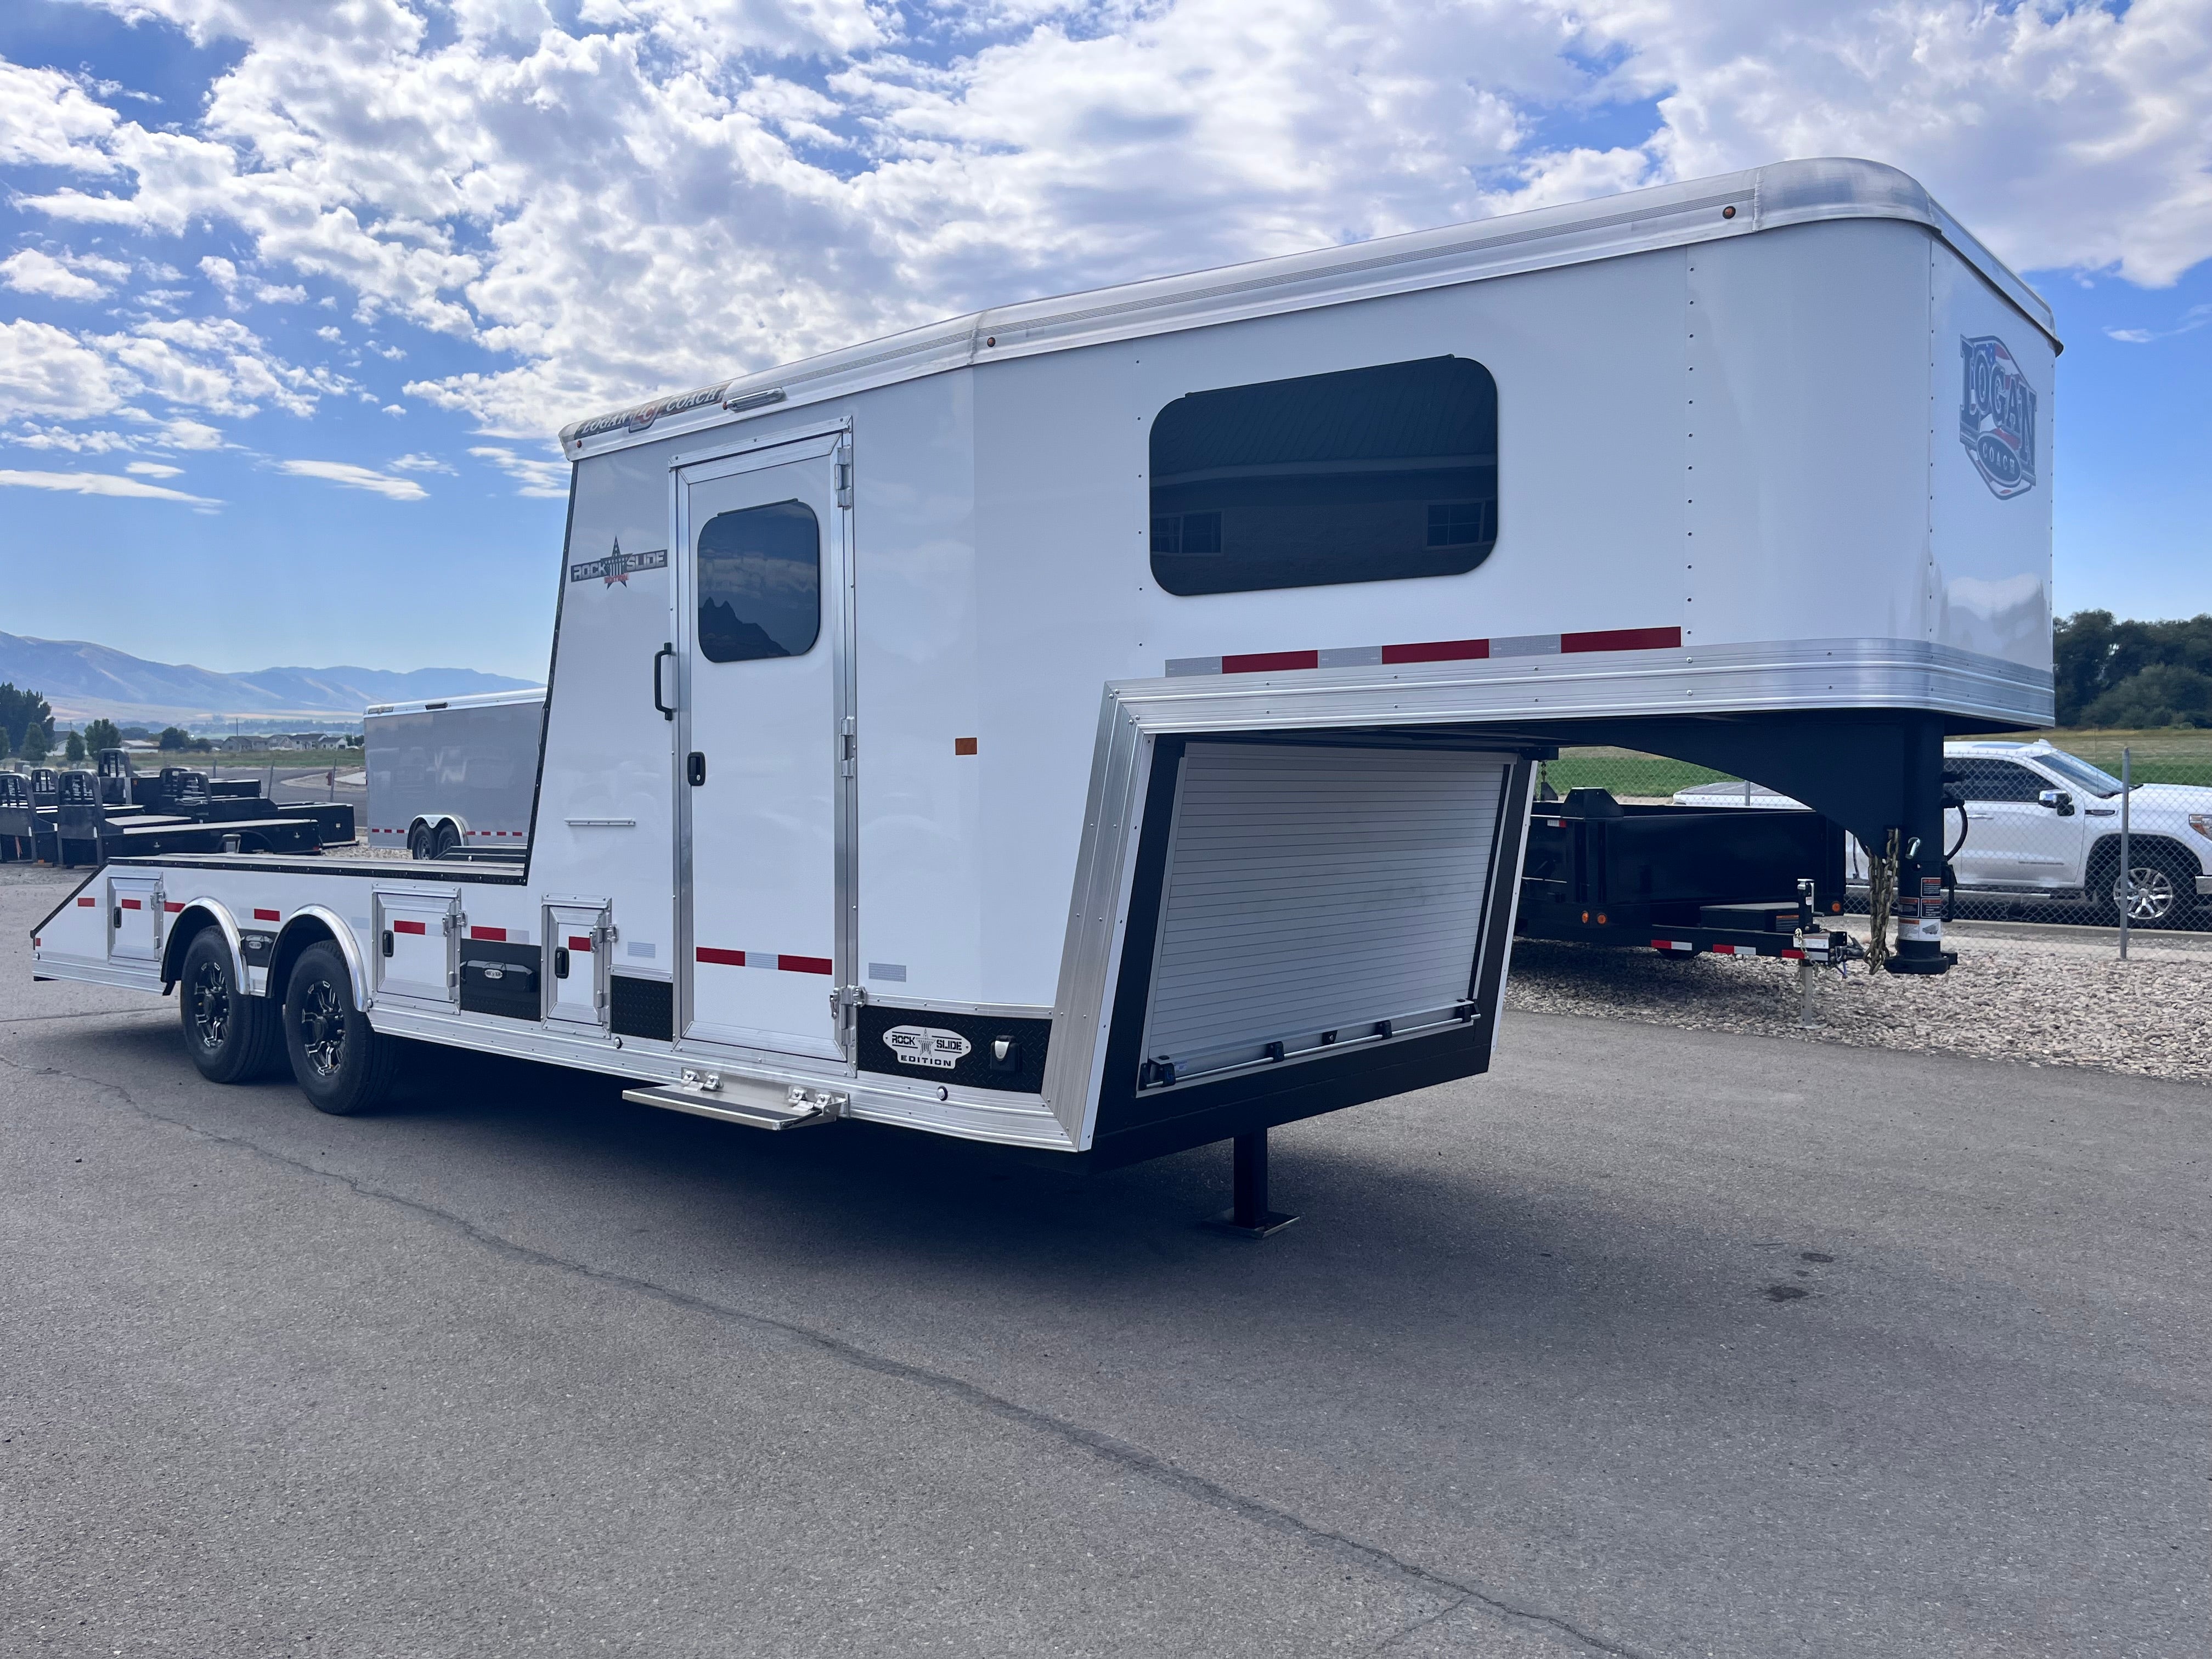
(1247,1215)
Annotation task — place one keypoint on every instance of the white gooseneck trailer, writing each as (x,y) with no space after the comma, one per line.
(1105,725)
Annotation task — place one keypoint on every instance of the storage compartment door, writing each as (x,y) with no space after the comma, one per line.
(1315,897)
(576,955)
(134,919)
(418,938)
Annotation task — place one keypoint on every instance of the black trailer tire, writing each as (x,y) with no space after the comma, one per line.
(341,1065)
(447,843)
(420,845)
(231,1037)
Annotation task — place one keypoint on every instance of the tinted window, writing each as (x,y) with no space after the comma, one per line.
(760,583)
(1994,780)
(1365,476)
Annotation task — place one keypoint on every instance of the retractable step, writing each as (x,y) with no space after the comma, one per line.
(752,1106)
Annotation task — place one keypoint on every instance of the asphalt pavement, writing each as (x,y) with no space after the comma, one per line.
(1652,1342)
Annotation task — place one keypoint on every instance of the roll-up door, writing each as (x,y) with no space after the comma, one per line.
(1317,896)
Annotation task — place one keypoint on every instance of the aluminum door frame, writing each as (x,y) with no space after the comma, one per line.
(831,440)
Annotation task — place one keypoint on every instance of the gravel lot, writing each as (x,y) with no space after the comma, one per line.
(2048,1000)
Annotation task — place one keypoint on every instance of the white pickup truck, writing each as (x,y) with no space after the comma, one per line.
(2045,825)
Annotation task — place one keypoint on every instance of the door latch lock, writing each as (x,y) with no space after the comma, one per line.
(695,768)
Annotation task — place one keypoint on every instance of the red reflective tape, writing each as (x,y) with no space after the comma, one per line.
(1622,638)
(1253,662)
(721,958)
(580,941)
(496,934)
(1439,651)
(1793,956)
(268,916)
(86,903)
(408,927)
(132,904)
(805,964)
(172,909)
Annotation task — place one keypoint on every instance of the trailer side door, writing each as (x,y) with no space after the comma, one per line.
(765,748)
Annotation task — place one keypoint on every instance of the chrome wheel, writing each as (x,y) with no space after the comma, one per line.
(2154,895)
(323,1027)
(210,1004)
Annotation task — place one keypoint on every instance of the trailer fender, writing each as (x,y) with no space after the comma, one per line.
(200,913)
(433,822)
(309,924)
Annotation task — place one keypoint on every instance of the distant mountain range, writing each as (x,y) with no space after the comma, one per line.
(82,680)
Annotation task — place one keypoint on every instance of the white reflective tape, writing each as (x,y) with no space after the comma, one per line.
(1526,645)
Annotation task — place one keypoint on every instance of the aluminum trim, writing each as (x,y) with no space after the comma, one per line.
(1683,214)
(1820,674)
(341,930)
(983,1009)
(1017,1120)
(223,919)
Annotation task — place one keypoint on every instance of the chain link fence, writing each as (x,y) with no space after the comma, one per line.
(2043,821)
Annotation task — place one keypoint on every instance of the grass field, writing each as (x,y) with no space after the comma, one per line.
(2162,755)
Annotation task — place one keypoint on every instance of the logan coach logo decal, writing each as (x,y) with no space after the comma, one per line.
(926,1045)
(1996,417)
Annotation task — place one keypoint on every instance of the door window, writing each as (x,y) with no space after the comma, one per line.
(760,583)
(1995,781)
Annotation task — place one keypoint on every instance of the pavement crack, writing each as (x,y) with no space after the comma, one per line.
(1107,1448)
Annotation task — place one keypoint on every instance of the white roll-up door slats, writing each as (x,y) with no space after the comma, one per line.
(1312,893)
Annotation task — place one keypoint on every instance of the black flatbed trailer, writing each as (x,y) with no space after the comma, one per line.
(1684,880)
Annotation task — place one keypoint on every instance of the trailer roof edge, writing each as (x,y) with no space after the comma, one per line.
(474,700)
(1666,215)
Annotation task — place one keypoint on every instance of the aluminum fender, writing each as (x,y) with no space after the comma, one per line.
(173,967)
(341,931)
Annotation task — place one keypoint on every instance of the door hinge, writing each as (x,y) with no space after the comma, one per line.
(846,997)
(848,747)
(844,479)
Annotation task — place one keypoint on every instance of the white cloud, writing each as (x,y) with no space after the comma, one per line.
(356,477)
(664,191)
(98,483)
(33,272)
(421,463)
(546,480)
(70,440)
(46,119)
(183,434)
(240,289)
(155,470)
(45,370)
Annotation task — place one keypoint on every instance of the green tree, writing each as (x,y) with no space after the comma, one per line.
(2111,672)
(38,743)
(101,734)
(6,747)
(73,747)
(19,711)
(174,738)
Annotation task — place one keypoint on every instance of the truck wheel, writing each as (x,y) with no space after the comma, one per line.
(232,1037)
(419,843)
(2164,886)
(341,1065)
(447,843)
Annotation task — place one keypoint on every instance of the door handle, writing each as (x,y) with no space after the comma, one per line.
(560,962)
(695,767)
(667,710)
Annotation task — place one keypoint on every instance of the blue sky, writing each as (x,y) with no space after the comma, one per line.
(316,284)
